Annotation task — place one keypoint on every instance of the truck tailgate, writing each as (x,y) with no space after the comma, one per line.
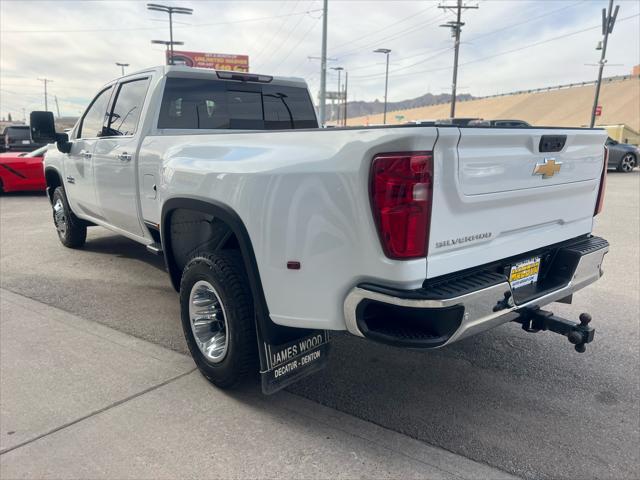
(496,194)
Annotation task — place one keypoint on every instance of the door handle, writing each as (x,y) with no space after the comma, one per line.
(124,157)
(85,154)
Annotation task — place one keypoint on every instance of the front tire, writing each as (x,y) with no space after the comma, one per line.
(71,231)
(216,308)
(627,163)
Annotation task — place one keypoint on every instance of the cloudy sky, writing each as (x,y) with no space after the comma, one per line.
(507,45)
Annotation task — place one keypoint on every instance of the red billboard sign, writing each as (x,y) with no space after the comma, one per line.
(217,61)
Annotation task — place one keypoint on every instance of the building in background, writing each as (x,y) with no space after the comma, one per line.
(216,61)
(622,133)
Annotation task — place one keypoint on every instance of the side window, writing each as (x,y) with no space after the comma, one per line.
(94,117)
(128,105)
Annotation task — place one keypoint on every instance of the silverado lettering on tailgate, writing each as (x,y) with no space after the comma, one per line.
(465,239)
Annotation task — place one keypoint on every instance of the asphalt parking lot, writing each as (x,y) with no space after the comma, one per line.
(527,404)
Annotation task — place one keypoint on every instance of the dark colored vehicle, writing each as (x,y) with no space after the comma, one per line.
(499,123)
(22,171)
(461,122)
(622,156)
(17,138)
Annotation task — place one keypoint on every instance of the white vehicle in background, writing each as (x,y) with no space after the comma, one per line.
(275,232)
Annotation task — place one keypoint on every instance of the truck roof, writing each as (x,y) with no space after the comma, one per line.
(193,72)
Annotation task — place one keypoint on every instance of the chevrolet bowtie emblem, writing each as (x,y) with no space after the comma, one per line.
(547,169)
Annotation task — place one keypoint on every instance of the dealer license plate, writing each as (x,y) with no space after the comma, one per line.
(524,273)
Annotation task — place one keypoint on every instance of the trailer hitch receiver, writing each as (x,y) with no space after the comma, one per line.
(579,334)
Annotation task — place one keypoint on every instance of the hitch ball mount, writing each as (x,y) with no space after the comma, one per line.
(579,334)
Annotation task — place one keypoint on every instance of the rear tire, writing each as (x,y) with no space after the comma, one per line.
(216,309)
(71,230)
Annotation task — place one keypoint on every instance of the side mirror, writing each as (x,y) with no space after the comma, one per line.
(43,131)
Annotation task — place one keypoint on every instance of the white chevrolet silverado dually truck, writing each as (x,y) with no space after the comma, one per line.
(275,231)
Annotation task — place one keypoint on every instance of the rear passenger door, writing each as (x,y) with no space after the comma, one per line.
(115,157)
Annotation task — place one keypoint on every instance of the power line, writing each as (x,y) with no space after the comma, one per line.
(265,45)
(394,36)
(436,54)
(471,40)
(422,53)
(197,25)
(528,20)
(412,16)
(506,52)
(295,47)
(286,39)
(524,47)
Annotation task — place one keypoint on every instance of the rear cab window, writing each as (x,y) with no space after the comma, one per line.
(194,104)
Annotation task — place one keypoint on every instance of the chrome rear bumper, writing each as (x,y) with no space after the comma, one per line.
(479,306)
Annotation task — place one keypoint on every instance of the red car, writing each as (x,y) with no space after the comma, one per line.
(22,171)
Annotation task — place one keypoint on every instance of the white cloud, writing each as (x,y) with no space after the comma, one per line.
(76,44)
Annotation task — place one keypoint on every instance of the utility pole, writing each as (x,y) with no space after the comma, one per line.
(171,11)
(346,84)
(45,81)
(608,21)
(55,97)
(339,70)
(456,27)
(323,65)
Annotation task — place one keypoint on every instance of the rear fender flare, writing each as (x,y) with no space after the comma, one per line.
(235,223)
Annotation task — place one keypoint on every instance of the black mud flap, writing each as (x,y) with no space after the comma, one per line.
(288,354)
(284,364)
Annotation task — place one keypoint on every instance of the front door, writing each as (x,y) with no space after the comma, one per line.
(115,158)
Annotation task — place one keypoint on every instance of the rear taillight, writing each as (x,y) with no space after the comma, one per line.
(401,196)
(603,184)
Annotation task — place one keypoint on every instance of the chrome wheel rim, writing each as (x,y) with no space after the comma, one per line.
(627,163)
(208,321)
(60,218)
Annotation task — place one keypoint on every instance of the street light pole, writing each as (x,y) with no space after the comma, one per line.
(608,21)
(170,10)
(167,45)
(386,51)
(122,65)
